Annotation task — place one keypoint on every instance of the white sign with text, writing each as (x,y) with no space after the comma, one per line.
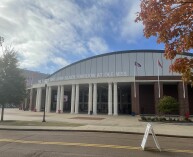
(149,129)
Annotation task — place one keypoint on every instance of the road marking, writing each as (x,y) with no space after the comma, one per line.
(92,145)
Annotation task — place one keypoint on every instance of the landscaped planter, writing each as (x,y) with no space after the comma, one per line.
(166,118)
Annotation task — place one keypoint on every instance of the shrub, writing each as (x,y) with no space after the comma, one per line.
(152,119)
(162,119)
(143,118)
(156,119)
(149,119)
(168,105)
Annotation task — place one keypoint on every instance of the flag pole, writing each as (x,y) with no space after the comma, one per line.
(134,82)
(158,79)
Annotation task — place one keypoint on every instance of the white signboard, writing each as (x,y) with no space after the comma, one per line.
(149,129)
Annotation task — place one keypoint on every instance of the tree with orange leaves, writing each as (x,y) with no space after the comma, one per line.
(171,21)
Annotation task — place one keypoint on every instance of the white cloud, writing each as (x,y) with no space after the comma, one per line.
(97,45)
(50,34)
(40,29)
(130,30)
(60,61)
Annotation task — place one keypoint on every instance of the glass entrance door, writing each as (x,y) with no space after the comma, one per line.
(124,99)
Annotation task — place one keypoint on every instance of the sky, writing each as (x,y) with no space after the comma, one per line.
(50,34)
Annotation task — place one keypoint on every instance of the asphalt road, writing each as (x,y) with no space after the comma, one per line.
(85,144)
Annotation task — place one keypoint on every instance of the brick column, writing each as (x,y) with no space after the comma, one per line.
(183,98)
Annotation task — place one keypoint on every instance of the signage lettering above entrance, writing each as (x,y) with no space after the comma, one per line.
(97,75)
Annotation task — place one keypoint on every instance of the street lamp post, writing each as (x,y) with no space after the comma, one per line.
(44,108)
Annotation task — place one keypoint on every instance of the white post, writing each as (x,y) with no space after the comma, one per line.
(77,99)
(95,99)
(72,98)
(110,99)
(58,100)
(90,98)
(115,99)
(61,99)
(49,99)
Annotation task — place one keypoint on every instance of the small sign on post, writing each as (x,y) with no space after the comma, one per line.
(149,129)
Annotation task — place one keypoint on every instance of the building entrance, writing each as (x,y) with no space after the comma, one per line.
(102,98)
(124,99)
(83,100)
(146,99)
(67,101)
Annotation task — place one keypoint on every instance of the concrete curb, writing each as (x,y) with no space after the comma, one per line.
(99,131)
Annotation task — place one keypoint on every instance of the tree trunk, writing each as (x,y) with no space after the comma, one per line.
(2,112)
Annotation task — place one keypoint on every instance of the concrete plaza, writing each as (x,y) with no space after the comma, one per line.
(124,124)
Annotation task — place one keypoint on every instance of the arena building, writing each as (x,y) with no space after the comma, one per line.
(124,82)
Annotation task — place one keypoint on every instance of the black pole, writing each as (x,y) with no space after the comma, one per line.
(44,107)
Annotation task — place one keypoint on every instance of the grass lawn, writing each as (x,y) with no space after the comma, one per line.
(36,123)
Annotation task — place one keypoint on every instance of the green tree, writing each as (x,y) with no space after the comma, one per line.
(168,105)
(12,83)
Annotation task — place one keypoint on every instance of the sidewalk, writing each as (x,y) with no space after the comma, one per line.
(104,123)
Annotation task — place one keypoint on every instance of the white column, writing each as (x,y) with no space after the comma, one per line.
(77,99)
(31,99)
(72,98)
(46,98)
(49,99)
(58,100)
(25,104)
(95,99)
(90,98)
(115,99)
(37,97)
(61,99)
(110,99)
